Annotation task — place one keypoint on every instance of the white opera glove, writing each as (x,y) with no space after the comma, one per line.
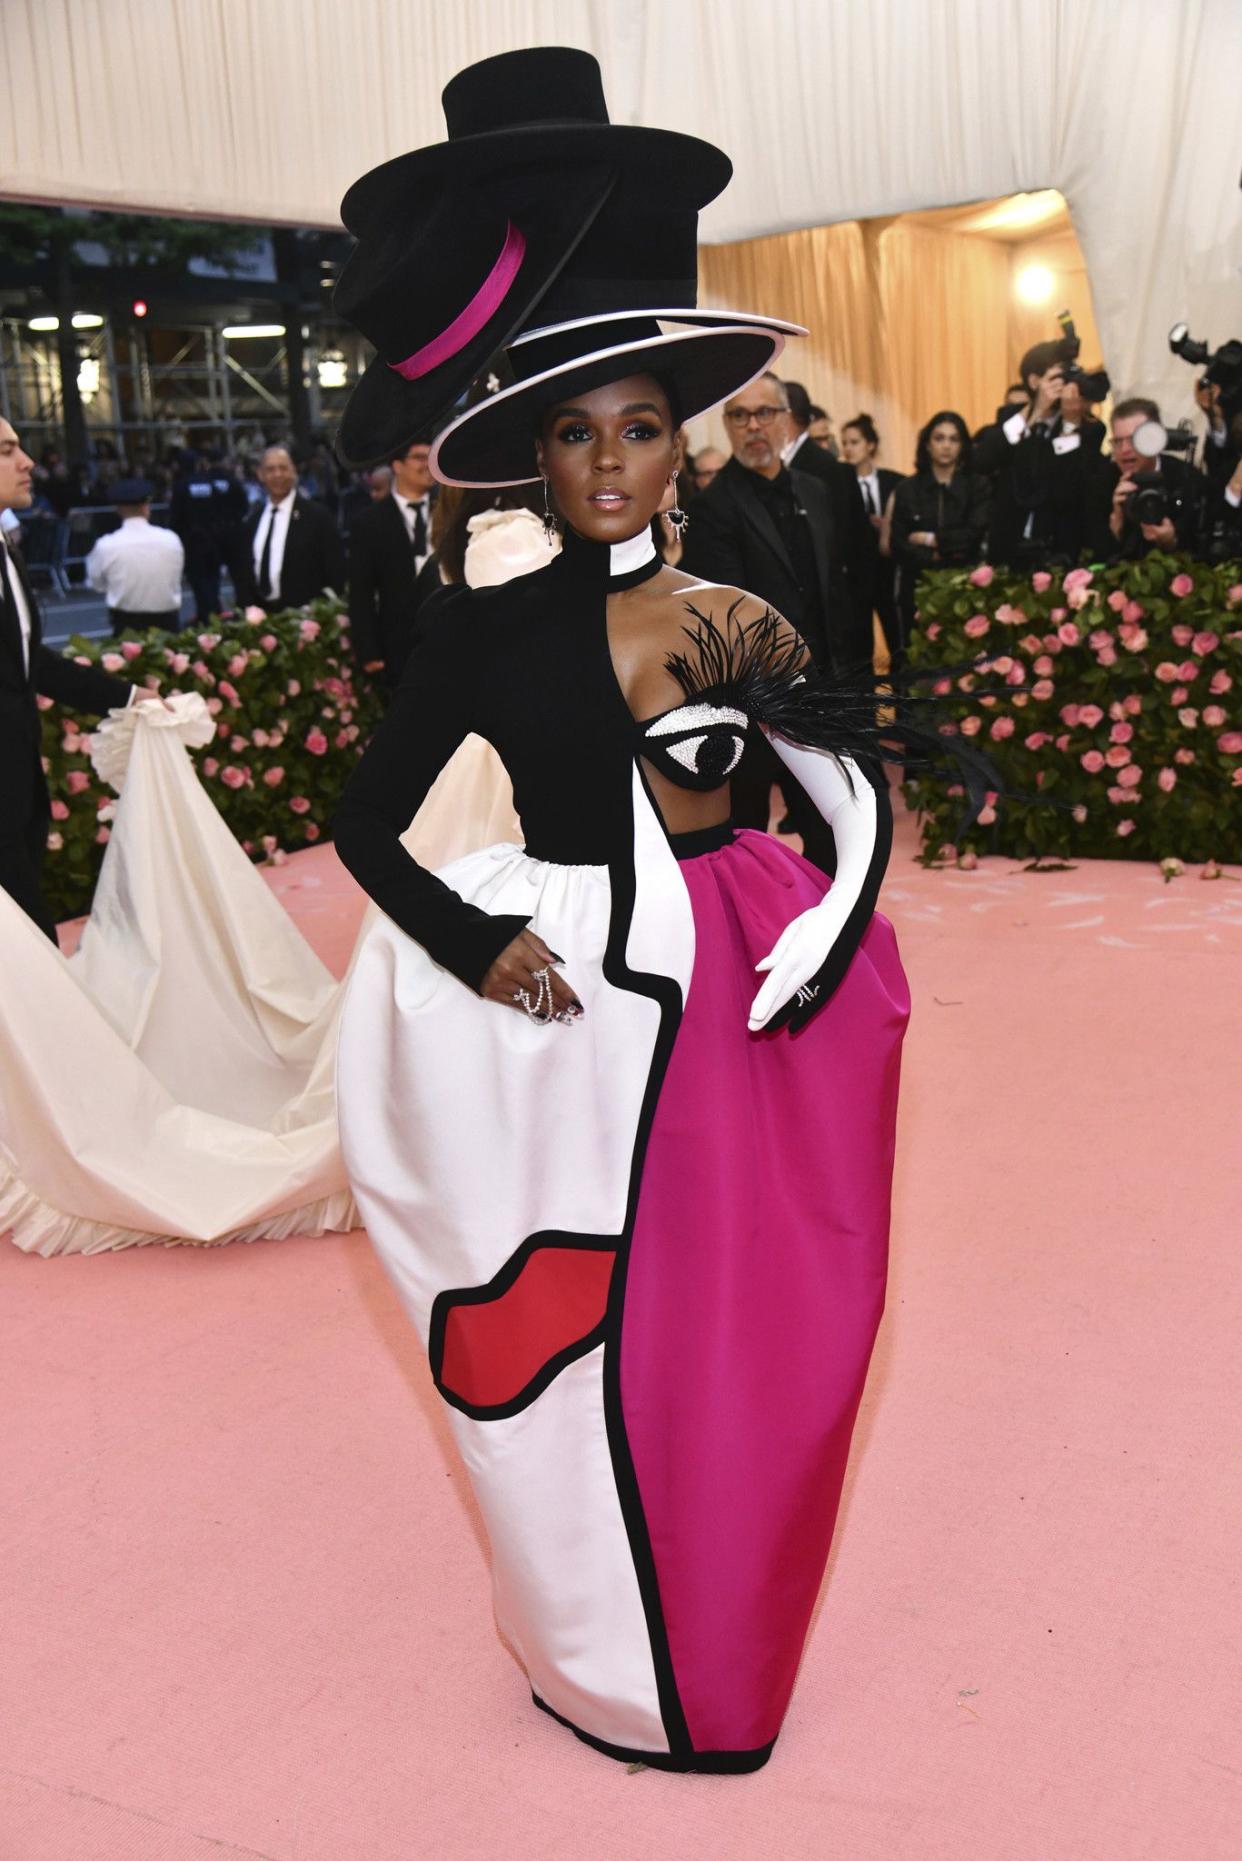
(813,952)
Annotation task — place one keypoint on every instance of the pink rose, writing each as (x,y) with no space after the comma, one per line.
(1068,633)
(1122,733)
(1187,717)
(316,742)
(1235,594)
(1063,743)
(268,642)
(934,630)
(1130,776)
(1052,644)
(1020,701)
(1117,600)
(967,860)
(59,811)
(232,777)
(1100,637)
(1124,828)
(341,739)
(274,776)
(260,739)
(1204,643)
(1077,578)
(971,726)
(309,629)
(1167,672)
(215,706)
(1183,756)
(1235,780)
(1134,639)
(1230,742)
(76,781)
(986,815)
(238,664)
(1037,739)
(203,672)
(298,804)
(1001,727)
(1181,585)
(1167,779)
(293,688)
(103,835)
(1121,797)
(1188,670)
(111,662)
(1132,704)
(311,831)
(976,626)
(1107,656)
(1030,644)
(178,662)
(238,744)
(1079,812)
(1182,634)
(1002,664)
(1117,755)
(210,766)
(1043,665)
(1221,682)
(1089,715)
(1179,696)
(1078,599)
(982,577)
(56,841)
(1057,616)
(1069,715)
(207,641)
(44,704)
(1213,716)
(130,649)
(1133,612)
(1092,761)
(1042,689)
(1041,581)
(228,693)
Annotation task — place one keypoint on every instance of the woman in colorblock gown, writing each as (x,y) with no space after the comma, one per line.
(618,1103)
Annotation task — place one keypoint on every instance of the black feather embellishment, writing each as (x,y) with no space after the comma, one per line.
(762,667)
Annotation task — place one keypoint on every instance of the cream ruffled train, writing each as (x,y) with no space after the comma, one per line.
(173,1080)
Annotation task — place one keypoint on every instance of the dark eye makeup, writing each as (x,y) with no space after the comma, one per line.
(575,431)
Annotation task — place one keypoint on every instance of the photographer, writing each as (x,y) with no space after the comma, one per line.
(1041,465)
(1222,446)
(1154,499)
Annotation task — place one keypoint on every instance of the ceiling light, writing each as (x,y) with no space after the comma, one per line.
(332,370)
(86,320)
(1035,284)
(236,331)
(43,323)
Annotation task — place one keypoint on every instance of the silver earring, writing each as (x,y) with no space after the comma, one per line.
(677,516)
(549,518)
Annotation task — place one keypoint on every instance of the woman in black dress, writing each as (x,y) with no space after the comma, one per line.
(940,515)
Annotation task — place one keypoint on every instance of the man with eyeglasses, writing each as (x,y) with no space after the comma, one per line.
(765,528)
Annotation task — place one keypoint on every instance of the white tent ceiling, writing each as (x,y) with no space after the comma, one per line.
(831,109)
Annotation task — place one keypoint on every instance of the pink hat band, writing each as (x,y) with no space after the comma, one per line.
(476,315)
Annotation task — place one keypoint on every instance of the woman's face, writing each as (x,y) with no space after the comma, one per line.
(856,449)
(945,444)
(608,456)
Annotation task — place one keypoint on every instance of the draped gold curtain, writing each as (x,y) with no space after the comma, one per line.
(904,320)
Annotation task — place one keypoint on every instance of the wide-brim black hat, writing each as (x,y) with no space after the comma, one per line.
(458,243)
(702,356)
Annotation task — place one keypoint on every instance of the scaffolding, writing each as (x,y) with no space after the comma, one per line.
(146,389)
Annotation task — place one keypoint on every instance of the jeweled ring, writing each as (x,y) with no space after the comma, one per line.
(540,1009)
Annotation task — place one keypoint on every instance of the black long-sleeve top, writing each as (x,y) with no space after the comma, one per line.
(956,513)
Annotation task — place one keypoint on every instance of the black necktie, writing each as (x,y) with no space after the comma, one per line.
(420,530)
(868,500)
(265,560)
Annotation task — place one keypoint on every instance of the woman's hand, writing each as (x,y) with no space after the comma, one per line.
(924,539)
(518,968)
(798,954)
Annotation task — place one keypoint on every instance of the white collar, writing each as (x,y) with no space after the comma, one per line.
(409,503)
(624,558)
(284,503)
(793,446)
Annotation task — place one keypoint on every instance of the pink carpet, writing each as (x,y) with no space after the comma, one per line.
(246,1599)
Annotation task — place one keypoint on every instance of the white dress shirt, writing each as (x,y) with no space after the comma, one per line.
(869,488)
(409,508)
(19,601)
(276,519)
(791,450)
(138,568)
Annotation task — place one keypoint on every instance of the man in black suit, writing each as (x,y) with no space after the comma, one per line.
(851,548)
(761,527)
(389,544)
(293,551)
(1042,461)
(28,670)
(1123,534)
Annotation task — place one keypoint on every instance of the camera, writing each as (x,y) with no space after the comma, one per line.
(1223,369)
(1149,502)
(1092,384)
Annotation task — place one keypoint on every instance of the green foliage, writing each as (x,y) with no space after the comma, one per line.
(1117,731)
(30,236)
(290,725)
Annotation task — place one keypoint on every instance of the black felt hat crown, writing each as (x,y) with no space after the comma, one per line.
(460,242)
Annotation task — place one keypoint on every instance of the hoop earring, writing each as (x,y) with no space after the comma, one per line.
(549,516)
(677,516)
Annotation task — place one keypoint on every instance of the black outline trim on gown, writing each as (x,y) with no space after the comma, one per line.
(500,1283)
(720,1763)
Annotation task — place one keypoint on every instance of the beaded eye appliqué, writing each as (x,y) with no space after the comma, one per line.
(704,740)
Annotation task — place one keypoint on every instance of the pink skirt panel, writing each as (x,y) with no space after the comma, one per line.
(755,1287)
